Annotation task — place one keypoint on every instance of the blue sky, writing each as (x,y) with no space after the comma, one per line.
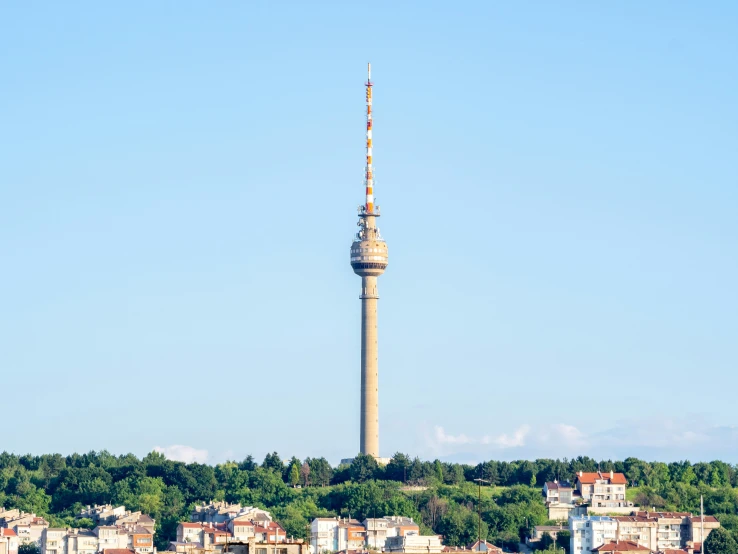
(558,182)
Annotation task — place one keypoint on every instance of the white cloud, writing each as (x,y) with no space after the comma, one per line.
(182,453)
(502,441)
(516,440)
(667,438)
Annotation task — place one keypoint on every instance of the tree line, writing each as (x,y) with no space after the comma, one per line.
(440,496)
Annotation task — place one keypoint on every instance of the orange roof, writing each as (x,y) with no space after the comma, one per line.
(189,525)
(621,546)
(7,533)
(118,551)
(591,477)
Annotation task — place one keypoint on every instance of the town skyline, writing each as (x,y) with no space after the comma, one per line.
(578,162)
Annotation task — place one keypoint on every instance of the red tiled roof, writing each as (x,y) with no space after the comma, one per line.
(7,533)
(188,525)
(708,519)
(620,546)
(670,551)
(591,477)
(118,551)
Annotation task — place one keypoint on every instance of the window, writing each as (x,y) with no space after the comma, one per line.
(261,551)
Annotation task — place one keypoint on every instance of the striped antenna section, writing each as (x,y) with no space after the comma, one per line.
(369,169)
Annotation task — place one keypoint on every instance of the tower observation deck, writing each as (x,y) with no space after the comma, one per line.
(369,260)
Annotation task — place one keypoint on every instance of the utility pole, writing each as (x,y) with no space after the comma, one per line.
(479,511)
(702,525)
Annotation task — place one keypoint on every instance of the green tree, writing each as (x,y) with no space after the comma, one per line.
(546,541)
(274,462)
(363,468)
(720,541)
(29,548)
(563,540)
(294,475)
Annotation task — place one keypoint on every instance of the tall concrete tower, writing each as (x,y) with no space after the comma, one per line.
(369,260)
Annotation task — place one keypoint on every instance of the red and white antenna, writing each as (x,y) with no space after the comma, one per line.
(369,170)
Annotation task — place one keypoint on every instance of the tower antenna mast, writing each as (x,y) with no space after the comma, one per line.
(369,169)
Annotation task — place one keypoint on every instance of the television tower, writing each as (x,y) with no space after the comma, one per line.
(369,260)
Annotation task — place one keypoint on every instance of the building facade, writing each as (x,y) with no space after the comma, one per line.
(603,489)
(589,532)
(414,544)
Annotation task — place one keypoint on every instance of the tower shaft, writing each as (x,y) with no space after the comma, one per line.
(369,368)
(369,260)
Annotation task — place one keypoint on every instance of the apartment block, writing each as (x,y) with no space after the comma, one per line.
(222,512)
(336,534)
(27,527)
(214,535)
(555,492)
(376,532)
(603,490)
(414,544)
(379,529)
(699,530)
(589,532)
(117,516)
(323,534)
(8,541)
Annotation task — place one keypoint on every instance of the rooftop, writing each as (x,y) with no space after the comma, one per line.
(620,546)
(589,478)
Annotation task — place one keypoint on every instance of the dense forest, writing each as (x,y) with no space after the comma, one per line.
(442,497)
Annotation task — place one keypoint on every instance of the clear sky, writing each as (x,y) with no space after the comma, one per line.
(559,189)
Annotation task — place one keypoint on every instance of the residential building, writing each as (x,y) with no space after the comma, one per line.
(378,529)
(672,528)
(662,531)
(256,547)
(109,536)
(208,535)
(270,531)
(222,512)
(81,541)
(603,490)
(242,530)
(555,492)
(400,526)
(414,544)
(622,546)
(699,530)
(589,532)
(552,530)
(376,532)
(485,546)
(140,540)
(28,527)
(8,541)
(324,535)
(102,515)
(639,529)
(54,541)
(351,535)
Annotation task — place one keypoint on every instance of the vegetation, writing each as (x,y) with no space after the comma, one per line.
(443,501)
